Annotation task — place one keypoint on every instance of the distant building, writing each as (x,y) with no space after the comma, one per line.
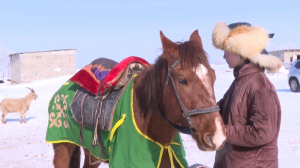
(289,55)
(29,66)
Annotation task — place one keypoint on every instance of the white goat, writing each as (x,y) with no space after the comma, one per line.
(20,105)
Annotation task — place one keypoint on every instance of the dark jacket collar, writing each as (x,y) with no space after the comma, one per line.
(246,69)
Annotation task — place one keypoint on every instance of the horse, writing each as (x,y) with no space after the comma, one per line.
(175,94)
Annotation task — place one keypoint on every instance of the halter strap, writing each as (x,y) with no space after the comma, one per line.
(186,114)
(169,75)
(185,130)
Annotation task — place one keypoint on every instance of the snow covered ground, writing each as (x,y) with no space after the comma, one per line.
(23,145)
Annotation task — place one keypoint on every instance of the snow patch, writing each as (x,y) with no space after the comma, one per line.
(57,69)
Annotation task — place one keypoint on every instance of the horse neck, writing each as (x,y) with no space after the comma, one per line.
(154,125)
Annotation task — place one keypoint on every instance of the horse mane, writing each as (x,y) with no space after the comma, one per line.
(153,78)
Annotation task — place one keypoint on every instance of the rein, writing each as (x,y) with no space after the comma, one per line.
(186,113)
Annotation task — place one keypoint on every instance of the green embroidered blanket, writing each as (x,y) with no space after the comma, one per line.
(126,145)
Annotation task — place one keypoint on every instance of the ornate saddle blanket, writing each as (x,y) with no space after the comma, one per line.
(63,128)
(87,105)
(125,144)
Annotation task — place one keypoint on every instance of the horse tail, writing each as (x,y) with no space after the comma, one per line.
(75,158)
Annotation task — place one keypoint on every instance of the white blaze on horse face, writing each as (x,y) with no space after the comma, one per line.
(219,136)
(202,73)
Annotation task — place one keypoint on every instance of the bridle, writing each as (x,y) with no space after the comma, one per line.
(186,114)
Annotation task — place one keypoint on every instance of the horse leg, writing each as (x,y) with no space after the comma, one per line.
(75,159)
(86,160)
(66,155)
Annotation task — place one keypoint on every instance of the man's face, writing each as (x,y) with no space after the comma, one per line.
(233,60)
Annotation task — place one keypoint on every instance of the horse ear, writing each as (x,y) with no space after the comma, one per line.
(168,46)
(196,38)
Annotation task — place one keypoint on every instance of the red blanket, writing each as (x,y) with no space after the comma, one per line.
(105,72)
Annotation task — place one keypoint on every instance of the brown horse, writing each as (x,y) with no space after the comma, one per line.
(174,94)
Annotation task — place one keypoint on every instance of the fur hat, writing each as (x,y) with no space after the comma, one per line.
(247,41)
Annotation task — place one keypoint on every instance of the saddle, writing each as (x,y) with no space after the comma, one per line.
(93,108)
(102,84)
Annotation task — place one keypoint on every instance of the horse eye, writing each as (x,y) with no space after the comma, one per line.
(183,81)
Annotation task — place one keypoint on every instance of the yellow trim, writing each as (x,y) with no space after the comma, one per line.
(135,125)
(67,83)
(174,143)
(176,158)
(67,141)
(63,141)
(160,156)
(172,153)
(116,126)
(168,146)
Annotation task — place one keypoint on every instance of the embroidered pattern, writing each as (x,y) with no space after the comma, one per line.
(56,118)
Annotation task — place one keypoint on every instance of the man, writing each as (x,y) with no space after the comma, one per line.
(250,108)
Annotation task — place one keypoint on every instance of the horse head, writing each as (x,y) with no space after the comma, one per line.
(187,98)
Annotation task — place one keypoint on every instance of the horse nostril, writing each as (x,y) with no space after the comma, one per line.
(209,140)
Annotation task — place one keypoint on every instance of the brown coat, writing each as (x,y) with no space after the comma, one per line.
(251,112)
